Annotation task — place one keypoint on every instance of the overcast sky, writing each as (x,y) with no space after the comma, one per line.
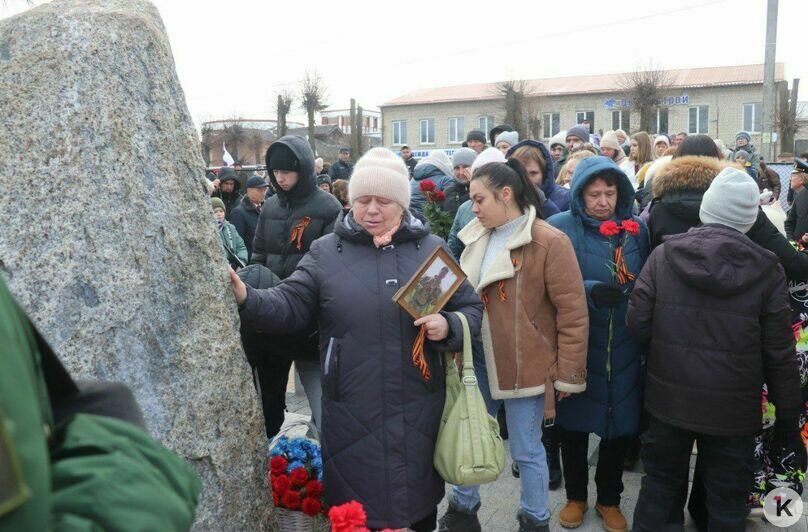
(233,57)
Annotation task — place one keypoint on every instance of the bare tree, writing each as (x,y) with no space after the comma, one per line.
(787,115)
(234,135)
(312,99)
(517,94)
(285,102)
(533,114)
(257,143)
(646,87)
(206,143)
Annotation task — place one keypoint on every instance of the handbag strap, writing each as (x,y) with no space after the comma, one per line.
(472,396)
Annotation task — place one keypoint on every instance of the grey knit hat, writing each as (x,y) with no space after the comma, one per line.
(579,131)
(742,153)
(463,156)
(732,200)
(511,137)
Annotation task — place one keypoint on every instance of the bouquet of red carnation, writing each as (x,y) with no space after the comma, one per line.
(440,221)
(349,517)
(295,473)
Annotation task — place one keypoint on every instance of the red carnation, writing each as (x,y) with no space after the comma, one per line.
(314,488)
(427,185)
(631,227)
(346,517)
(280,484)
(278,465)
(609,228)
(311,506)
(291,500)
(276,501)
(439,196)
(299,477)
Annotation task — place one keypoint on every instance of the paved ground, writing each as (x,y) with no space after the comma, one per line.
(500,500)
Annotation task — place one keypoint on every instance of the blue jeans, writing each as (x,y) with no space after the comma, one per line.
(524,417)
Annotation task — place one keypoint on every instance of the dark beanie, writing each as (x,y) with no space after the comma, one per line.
(476,134)
(281,157)
(323,179)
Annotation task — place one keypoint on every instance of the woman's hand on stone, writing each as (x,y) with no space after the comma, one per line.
(238,286)
(437,328)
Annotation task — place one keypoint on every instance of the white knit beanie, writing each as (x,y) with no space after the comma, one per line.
(732,200)
(609,140)
(382,173)
(489,155)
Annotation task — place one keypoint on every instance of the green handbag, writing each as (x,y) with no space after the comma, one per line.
(469,450)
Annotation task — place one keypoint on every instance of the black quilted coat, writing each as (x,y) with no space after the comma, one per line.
(380,416)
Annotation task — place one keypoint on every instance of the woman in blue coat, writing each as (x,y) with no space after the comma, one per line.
(601,199)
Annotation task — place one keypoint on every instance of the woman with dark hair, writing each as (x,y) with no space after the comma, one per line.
(699,145)
(534,329)
(611,246)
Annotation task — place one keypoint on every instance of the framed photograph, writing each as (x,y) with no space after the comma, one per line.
(432,286)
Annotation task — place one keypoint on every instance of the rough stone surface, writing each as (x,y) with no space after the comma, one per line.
(108,239)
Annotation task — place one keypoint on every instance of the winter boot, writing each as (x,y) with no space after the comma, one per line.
(613,520)
(458,520)
(528,523)
(572,515)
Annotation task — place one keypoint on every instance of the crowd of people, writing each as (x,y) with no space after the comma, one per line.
(646,289)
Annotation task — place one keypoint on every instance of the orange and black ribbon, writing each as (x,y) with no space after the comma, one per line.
(623,275)
(297,232)
(418,354)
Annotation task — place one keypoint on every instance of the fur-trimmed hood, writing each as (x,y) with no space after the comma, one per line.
(690,173)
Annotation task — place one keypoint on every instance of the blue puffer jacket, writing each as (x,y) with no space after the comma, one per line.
(422,173)
(610,406)
(555,194)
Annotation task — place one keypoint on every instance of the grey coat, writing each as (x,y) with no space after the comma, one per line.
(380,417)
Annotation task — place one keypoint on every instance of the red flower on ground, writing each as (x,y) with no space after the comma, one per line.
(299,477)
(291,500)
(427,185)
(439,196)
(346,517)
(277,465)
(281,484)
(631,227)
(311,506)
(609,228)
(313,488)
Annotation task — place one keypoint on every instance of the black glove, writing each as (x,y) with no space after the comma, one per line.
(607,295)
(787,437)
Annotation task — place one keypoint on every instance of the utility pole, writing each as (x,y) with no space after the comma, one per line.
(768,79)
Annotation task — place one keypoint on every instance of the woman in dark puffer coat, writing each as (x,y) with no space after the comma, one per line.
(381,410)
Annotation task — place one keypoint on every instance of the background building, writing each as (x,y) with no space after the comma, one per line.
(371,118)
(716,101)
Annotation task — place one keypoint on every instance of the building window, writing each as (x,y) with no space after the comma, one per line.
(661,124)
(399,132)
(550,124)
(697,119)
(485,123)
(456,130)
(753,117)
(375,123)
(588,117)
(621,120)
(427,131)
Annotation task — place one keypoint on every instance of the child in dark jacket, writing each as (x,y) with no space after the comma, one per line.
(708,360)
